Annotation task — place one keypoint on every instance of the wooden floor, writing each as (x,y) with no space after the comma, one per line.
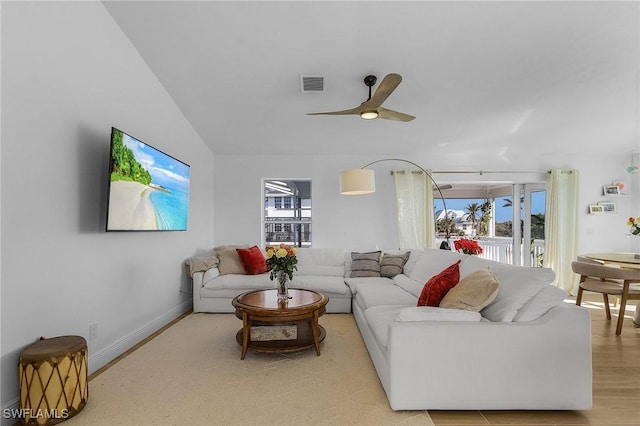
(616,381)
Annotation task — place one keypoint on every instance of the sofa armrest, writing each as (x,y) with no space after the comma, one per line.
(200,263)
(198,280)
(548,360)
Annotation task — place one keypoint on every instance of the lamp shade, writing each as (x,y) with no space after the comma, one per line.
(357,182)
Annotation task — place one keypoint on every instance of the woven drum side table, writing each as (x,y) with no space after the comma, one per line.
(53,380)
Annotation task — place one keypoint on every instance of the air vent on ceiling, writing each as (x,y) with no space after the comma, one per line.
(312,83)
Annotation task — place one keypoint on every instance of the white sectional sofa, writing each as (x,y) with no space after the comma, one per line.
(526,350)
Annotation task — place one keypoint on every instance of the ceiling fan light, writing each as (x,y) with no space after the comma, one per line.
(369,114)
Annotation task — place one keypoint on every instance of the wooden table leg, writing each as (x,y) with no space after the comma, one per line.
(246,331)
(314,330)
(623,305)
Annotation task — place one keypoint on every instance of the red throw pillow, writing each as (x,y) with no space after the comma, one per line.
(253,260)
(437,287)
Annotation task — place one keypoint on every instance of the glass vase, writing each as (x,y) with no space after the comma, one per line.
(282,280)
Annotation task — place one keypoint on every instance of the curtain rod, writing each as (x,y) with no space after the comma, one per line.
(480,172)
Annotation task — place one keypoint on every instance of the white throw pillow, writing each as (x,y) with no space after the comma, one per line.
(547,298)
(431,313)
(432,262)
(414,255)
(518,284)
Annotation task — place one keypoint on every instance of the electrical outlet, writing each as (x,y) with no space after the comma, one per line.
(93,331)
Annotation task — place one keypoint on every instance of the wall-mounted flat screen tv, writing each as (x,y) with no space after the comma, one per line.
(148,189)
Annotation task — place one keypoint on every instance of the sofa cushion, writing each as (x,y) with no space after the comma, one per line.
(253,260)
(365,264)
(378,318)
(242,282)
(210,274)
(354,283)
(430,313)
(437,286)
(431,262)
(229,261)
(547,298)
(376,295)
(473,292)
(392,264)
(414,255)
(319,283)
(407,284)
(263,281)
(518,284)
(321,261)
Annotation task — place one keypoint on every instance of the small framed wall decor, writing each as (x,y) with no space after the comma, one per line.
(621,184)
(596,209)
(610,190)
(608,207)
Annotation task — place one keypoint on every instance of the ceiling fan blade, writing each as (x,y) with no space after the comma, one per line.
(356,110)
(389,114)
(387,86)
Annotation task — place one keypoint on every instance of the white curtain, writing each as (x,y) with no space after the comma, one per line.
(561,228)
(414,206)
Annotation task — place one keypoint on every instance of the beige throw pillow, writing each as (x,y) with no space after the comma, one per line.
(473,292)
(229,260)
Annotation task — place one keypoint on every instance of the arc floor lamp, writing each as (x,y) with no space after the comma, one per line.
(363,181)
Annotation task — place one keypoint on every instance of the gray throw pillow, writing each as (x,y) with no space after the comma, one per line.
(392,264)
(365,264)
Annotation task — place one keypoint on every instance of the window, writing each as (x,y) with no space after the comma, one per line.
(490,219)
(287,212)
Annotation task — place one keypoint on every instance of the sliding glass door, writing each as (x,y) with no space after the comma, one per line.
(508,203)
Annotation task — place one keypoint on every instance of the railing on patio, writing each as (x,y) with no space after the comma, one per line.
(500,249)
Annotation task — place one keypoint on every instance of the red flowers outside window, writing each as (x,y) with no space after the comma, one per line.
(467,246)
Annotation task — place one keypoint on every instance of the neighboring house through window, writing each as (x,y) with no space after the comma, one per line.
(287,212)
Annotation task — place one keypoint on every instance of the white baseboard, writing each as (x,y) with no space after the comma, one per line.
(108,354)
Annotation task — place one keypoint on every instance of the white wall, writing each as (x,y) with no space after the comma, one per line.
(368,221)
(338,221)
(68,75)
(608,232)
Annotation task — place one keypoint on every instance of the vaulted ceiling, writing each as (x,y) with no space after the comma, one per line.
(484,79)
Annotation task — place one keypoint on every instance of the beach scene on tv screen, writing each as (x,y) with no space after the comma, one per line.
(149,190)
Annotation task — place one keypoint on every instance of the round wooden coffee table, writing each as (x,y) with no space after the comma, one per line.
(272,326)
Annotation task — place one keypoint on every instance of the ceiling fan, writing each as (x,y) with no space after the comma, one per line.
(372,107)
